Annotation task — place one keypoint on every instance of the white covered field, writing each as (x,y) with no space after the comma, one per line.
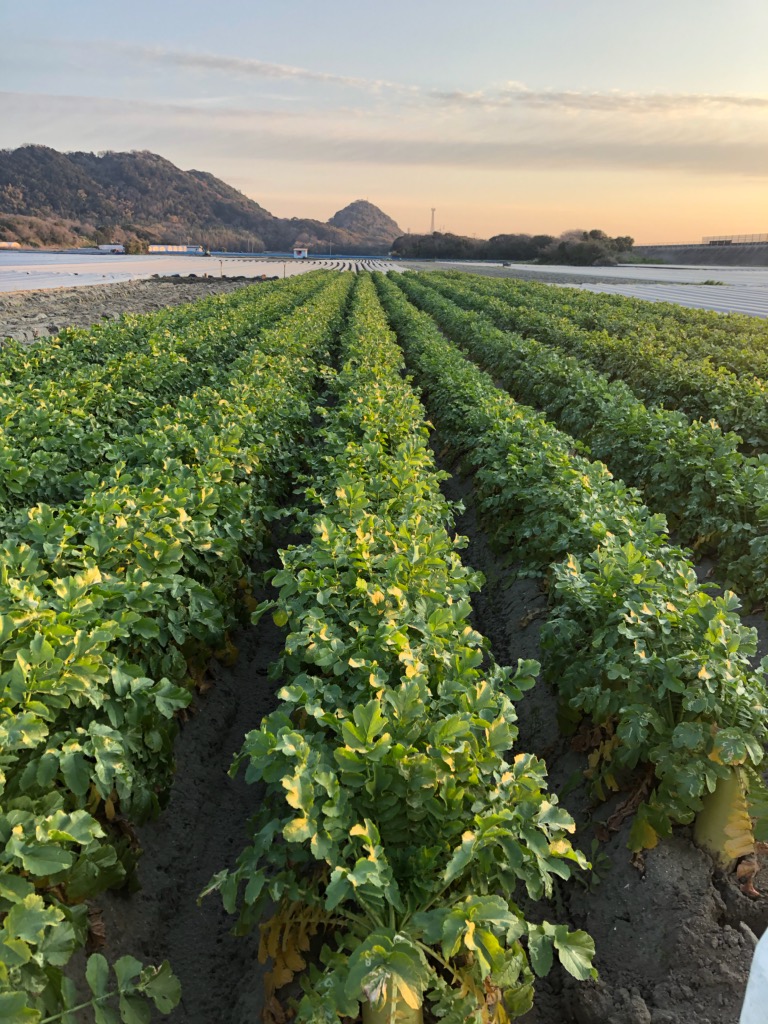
(743,289)
(740,289)
(26,271)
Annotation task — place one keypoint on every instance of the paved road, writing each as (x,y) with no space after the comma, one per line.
(28,271)
(742,289)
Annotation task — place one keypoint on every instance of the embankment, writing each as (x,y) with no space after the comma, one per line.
(742,255)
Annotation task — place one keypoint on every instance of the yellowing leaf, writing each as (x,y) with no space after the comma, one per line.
(560,847)
(410,995)
(297,830)
(643,836)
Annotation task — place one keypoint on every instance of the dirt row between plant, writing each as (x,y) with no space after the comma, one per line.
(202,831)
(27,316)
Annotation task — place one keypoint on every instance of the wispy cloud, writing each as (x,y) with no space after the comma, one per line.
(253,68)
(509,96)
(515,94)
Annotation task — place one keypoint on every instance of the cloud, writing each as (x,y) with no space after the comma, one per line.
(511,95)
(251,67)
(514,94)
(237,134)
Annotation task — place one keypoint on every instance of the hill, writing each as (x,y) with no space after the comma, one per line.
(51,198)
(363,218)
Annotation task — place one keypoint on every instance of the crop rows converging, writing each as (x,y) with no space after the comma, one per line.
(407,824)
(692,370)
(737,342)
(661,667)
(402,838)
(715,499)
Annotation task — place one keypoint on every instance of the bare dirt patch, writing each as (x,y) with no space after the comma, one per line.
(27,316)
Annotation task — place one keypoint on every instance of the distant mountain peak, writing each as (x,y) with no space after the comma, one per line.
(52,198)
(363,217)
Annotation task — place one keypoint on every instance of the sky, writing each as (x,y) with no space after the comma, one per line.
(646,119)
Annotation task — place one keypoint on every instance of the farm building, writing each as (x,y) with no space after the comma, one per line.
(194,250)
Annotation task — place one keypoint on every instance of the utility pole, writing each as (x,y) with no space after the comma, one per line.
(432,228)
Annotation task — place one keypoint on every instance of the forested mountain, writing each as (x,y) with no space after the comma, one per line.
(52,198)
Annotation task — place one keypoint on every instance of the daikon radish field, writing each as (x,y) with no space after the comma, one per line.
(384,646)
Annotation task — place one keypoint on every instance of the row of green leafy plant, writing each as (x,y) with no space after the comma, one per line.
(715,499)
(658,665)
(396,826)
(108,606)
(735,341)
(656,373)
(66,352)
(60,424)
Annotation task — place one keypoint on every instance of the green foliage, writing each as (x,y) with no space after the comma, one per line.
(714,497)
(707,365)
(392,802)
(633,640)
(586,248)
(74,406)
(112,603)
(137,989)
(635,643)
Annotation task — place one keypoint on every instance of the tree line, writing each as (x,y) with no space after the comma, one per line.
(577,248)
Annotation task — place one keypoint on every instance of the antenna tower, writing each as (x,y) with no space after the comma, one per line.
(432,228)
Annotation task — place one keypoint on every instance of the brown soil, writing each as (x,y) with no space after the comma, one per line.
(26,316)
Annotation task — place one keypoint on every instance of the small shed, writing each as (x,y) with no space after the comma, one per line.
(300,253)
